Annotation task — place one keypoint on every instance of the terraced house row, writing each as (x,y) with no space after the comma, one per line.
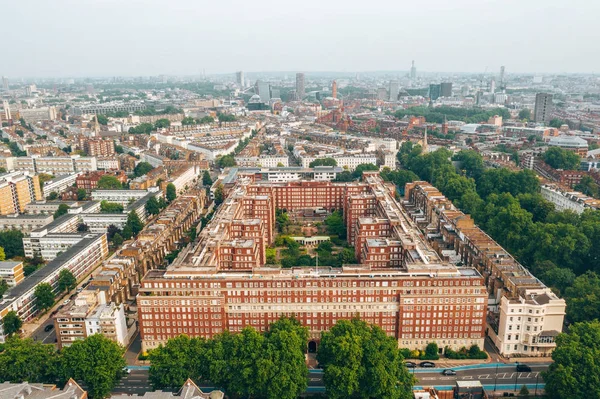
(401,283)
(524,316)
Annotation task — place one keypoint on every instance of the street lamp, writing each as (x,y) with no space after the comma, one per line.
(516,376)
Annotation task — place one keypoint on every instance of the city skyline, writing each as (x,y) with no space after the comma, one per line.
(124,39)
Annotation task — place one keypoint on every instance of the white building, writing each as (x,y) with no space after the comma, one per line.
(528,326)
(108,319)
(24,223)
(59,184)
(568,199)
(49,245)
(186,179)
(349,162)
(123,197)
(80,260)
(108,163)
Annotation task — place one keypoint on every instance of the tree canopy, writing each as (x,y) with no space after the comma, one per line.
(576,367)
(63,209)
(66,280)
(108,182)
(323,162)
(12,242)
(11,323)
(361,361)
(96,361)
(110,207)
(26,360)
(142,169)
(134,223)
(206,179)
(226,161)
(171,192)
(44,296)
(559,158)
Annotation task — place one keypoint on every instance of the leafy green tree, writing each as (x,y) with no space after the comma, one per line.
(96,361)
(3,288)
(323,162)
(361,361)
(536,205)
(285,344)
(205,120)
(108,182)
(576,367)
(52,196)
(282,219)
(102,119)
(134,223)
(26,360)
(176,361)
(142,169)
(66,280)
(44,296)
(152,207)
(335,224)
(471,162)
(226,161)
(588,186)
(219,194)
(431,351)
(556,123)
(225,117)
(127,233)
(365,167)
(524,393)
(583,298)
(81,194)
(188,121)
(206,179)
(117,240)
(142,128)
(525,114)
(345,176)
(162,123)
(110,207)
(559,158)
(12,323)
(171,192)
(63,209)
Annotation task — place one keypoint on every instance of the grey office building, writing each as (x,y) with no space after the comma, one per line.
(300,87)
(543,107)
(446,89)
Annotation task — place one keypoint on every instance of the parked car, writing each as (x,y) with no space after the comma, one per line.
(127,370)
(427,364)
(449,372)
(49,327)
(66,301)
(523,367)
(410,365)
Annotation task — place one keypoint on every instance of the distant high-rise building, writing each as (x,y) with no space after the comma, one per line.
(434,92)
(334,89)
(493,86)
(275,93)
(264,90)
(300,87)
(239,77)
(6,107)
(413,71)
(382,94)
(543,107)
(502,82)
(4,83)
(394,90)
(446,89)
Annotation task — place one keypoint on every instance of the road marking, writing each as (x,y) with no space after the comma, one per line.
(484,376)
(468,377)
(315,379)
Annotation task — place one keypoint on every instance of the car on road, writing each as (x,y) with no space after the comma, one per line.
(449,372)
(126,370)
(410,365)
(427,364)
(66,301)
(523,367)
(49,327)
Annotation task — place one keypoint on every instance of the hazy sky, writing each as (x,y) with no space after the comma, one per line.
(151,37)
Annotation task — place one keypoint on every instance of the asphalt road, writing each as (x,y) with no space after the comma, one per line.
(46,337)
(505,379)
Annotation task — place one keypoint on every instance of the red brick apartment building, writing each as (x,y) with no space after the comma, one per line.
(401,284)
(89,180)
